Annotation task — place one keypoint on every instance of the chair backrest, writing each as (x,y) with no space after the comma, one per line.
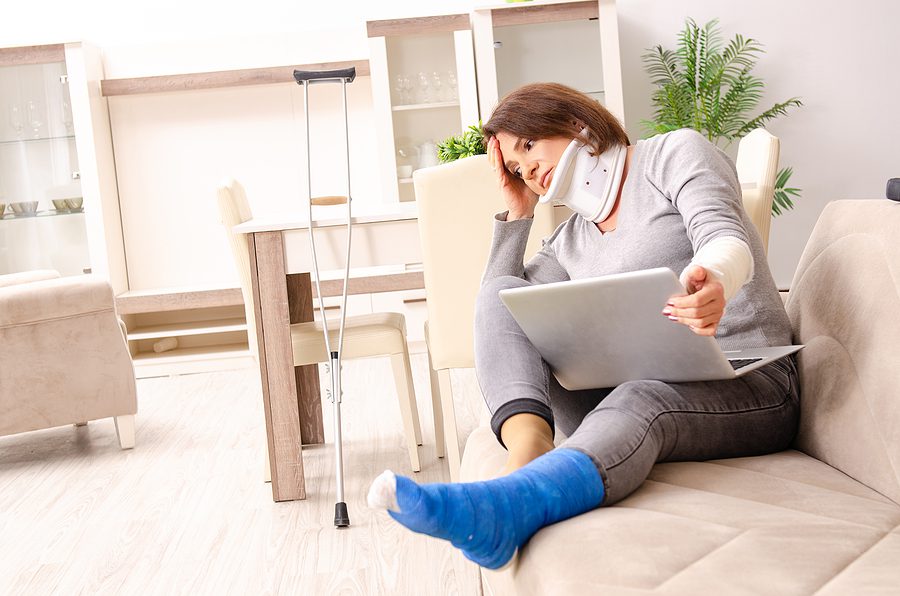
(757,167)
(843,305)
(233,210)
(457,203)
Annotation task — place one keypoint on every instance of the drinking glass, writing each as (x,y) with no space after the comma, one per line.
(436,85)
(424,95)
(34,117)
(399,90)
(16,119)
(452,84)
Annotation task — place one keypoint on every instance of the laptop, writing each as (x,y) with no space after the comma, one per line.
(604,331)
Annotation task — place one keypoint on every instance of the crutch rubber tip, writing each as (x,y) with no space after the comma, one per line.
(341,516)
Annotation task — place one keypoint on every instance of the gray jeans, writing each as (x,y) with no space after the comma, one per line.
(626,429)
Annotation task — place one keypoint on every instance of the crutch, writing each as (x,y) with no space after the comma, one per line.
(307,78)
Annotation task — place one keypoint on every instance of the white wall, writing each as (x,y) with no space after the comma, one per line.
(841,58)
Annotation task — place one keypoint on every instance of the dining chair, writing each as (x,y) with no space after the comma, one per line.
(757,167)
(376,334)
(457,203)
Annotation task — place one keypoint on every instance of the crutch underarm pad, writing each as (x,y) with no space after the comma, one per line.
(325,76)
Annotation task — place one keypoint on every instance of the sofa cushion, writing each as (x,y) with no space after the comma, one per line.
(779,524)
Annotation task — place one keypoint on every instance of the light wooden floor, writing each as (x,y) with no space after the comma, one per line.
(186,511)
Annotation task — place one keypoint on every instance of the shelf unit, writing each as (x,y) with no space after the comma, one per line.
(55,142)
(208,323)
(518,43)
(429,47)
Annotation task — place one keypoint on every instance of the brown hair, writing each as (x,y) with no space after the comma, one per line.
(547,110)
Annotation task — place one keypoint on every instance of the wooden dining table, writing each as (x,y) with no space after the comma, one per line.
(385,256)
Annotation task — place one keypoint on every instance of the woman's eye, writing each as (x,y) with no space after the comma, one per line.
(518,172)
(528,145)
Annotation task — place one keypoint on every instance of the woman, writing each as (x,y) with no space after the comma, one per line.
(677,205)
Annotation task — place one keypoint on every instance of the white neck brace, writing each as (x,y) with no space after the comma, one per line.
(586,184)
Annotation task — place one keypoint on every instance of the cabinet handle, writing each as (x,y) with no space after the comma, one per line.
(76,175)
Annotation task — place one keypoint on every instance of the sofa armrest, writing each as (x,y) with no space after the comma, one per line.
(63,297)
(843,306)
(14,279)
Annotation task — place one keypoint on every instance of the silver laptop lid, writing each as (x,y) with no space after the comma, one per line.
(603,331)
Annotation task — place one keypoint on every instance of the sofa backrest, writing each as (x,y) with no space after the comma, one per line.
(844,304)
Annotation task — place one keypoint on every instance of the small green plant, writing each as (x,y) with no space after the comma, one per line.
(469,143)
(702,86)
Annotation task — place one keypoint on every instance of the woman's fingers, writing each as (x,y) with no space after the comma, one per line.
(705,310)
(701,311)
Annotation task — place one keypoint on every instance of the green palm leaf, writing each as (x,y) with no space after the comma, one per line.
(711,88)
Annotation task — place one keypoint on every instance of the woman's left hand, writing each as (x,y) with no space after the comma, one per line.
(702,308)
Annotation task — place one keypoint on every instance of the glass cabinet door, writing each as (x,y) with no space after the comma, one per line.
(42,222)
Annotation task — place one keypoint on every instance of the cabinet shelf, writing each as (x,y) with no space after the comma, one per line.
(192,360)
(188,328)
(37,140)
(191,354)
(8,216)
(425,106)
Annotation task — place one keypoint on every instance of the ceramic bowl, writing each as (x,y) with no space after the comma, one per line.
(24,207)
(75,204)
(60,205)
(2,209)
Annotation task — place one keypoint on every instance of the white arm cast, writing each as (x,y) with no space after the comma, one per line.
(728,259)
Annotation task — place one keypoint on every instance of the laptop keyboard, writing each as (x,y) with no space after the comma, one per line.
(742,362)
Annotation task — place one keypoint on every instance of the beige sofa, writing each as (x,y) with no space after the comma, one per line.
(822,518)
(63,356)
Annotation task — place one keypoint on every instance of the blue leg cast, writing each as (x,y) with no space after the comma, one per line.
(489,520)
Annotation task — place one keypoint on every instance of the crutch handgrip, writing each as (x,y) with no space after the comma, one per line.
(325,76)
(329,200)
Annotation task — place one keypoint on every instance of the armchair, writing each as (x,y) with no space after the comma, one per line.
(63,354)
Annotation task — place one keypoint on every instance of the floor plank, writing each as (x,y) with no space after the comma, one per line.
(186,511)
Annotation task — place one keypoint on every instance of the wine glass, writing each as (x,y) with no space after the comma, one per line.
(424,88)
(400,89)
(437,84)
(34,117)
(16,119)
(452,84)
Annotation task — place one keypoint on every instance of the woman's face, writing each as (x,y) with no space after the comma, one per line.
(534,161)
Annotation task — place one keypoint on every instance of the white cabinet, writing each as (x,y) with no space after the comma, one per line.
(573,43)
(423,91)
(57,175)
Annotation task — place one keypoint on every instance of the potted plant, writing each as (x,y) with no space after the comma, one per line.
(702,86)
(469,143)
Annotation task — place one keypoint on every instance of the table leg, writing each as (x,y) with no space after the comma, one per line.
(309,401)
(276,365)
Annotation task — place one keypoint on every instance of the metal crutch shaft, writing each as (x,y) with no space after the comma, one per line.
(305,78)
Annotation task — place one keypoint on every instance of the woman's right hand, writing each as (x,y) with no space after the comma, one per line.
(519,199)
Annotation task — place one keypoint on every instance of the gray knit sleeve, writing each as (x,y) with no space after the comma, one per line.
(508,254)
(701,182)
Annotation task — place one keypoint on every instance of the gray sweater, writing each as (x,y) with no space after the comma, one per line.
(680,193)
